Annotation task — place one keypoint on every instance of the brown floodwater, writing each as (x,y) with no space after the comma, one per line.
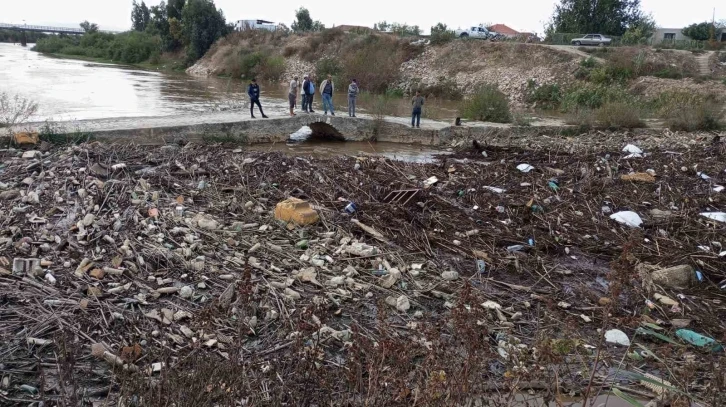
(67,89)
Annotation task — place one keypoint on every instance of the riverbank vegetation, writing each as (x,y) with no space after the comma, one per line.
(183,29)
(15,37)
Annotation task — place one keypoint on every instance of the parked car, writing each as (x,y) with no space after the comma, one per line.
(592,39)
(475,32)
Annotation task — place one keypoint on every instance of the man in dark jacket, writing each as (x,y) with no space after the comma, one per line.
(253,91)
(306,96)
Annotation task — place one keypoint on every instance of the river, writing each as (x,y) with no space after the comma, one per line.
(67,89)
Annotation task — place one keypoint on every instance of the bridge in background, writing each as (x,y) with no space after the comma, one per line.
(46,29)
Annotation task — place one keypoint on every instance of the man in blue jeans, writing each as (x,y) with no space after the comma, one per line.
(326,90)
(417,103)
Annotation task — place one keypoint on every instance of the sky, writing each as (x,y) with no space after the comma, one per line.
(522,15)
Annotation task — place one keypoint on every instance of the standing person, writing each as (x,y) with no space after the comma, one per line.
(326,90)
(253,91)
(312,94)
(292,95)
(352,95)
(306,93)
(417,103)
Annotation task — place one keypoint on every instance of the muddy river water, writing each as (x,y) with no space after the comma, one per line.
(67,89)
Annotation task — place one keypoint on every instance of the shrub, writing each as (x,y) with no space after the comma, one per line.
(582,118)
(15,109)
(589,96)
(619,115)
(701,115)
(445,88)
(668,72)
(272,67)
(489,104)
(327,66)
(248,64)
(547,96)
(588,62)
(440,34)
(378,51)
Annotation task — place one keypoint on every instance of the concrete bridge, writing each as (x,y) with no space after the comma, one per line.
(45,29)
(236,126)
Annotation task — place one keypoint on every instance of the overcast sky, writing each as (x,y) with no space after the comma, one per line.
(522,15)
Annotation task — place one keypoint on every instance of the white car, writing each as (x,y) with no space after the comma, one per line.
(474,32)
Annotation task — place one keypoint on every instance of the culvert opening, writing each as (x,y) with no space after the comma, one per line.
(317,132)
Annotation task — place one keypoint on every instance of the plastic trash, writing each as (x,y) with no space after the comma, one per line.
(351,208)
(717,216)
(699,340)
(525,168)
(481,266)
(495,189)
(553,185)
(632,149)
(515,248)
(429,182)
(628,218)
(718,188)
(703,176)
(617,337)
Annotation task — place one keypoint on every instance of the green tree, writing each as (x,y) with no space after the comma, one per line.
(202,25)
(699,32)
(140,16)
(174,9)
(611,17)
(88,27)
(441,34)
(640,32)
(382,26)
(304,23)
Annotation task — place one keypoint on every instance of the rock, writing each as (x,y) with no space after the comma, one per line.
(207,223)
(392,278)
(402,303)
(296,211)
(97,350)
(603,301)
(659,215)
(98,274)
(186,292)
(31,154)
(9,195)
(682,276)
(99,170)
(88,219)
(638,177)
(450,275)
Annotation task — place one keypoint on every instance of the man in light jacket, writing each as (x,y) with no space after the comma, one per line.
(352,95)
(292,95)
(326,90)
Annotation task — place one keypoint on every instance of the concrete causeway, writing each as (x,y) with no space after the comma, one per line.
(237,126)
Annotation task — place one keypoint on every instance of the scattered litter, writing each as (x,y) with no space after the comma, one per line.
(632,149)
(495,189)
(717,216)
(525,168)
(627,218)
(699,340)
(429,182)
(617,337)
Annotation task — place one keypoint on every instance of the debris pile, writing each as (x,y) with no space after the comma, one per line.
(139,258)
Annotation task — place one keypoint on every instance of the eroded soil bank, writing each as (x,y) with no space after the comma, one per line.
(164,277)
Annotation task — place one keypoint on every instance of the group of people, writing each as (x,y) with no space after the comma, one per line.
(327,89)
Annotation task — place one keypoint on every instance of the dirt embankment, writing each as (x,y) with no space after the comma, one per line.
(449,70)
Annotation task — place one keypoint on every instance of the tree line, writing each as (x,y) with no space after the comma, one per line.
(189,25)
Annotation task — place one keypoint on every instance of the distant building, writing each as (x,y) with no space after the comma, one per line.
(242,25)
(510,32)
(669,34)
(666,35)
(353,28)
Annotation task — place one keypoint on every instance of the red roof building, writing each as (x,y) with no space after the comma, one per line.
(504,30)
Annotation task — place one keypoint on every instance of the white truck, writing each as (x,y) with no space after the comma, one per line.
(242,25)
(475,32)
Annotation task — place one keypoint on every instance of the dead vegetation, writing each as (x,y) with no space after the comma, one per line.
(171,282)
